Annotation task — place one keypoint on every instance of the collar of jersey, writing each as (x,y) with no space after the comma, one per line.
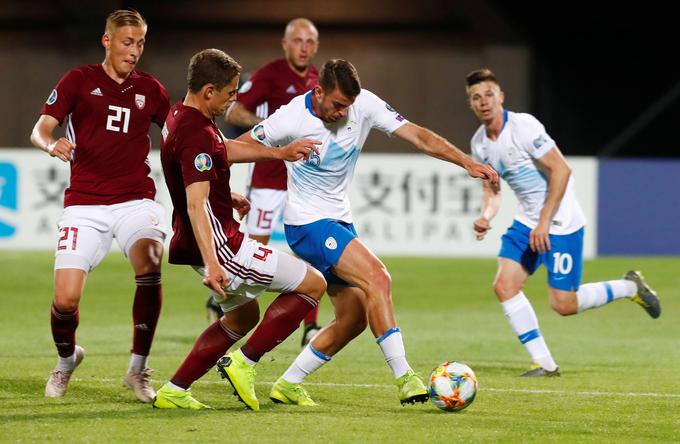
(308,104)
(505,118)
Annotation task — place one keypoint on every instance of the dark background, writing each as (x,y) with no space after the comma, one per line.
(599,76)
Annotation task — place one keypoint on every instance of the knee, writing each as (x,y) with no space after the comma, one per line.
(564,307)
(317,283)
(66,301)
(241,325)
(380,282)
(146,256)
(505,289)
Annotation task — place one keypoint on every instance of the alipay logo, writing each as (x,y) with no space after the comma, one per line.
(8,197)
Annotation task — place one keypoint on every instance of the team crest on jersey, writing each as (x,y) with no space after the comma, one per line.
(258,132)
(539,141)
(203,162)
(52,98)
(140,101)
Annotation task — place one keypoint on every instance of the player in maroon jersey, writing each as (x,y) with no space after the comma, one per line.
(108,108)
(273,85)
(195,159)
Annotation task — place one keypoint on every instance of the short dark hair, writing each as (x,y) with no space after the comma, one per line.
(211,66)
(479,76)
(338,73)
(123,17)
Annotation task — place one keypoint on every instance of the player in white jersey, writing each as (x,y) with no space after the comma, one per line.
(548,227)
(318,219)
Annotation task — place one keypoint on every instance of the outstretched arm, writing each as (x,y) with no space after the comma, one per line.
(215,277)
(557,171)
(491,203)
(435,145)
(238,115)
(245,149)
(42,137)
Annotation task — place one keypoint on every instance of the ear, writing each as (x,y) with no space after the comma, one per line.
(283,43)
(207,91)
(106,41)
(501,97)
(318,91)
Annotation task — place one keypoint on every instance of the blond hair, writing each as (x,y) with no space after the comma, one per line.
(124,17)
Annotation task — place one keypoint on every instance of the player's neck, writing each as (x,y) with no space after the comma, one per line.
(297,71)
(193,102)
(111,72)
(494,126)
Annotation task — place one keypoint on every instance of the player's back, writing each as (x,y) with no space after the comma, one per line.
(109,124)
(192,151)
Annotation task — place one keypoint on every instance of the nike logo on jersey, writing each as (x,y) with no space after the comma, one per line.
(291,90)
(96,92)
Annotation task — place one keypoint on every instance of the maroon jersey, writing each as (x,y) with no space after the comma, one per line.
(109,124)
(270,87)
(193,151)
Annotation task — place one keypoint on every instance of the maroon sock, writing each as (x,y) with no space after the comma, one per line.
(145,311)
(280,320)
(64,326)
(209,347)
(312,316)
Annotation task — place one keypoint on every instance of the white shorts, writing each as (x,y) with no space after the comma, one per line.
(257,268)
(266,208)
(87,231)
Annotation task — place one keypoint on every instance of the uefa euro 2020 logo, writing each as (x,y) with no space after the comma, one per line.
(203,162)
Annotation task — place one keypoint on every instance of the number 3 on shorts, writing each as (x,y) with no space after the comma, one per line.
(562,263)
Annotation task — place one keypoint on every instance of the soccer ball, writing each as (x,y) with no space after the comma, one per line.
(452,386)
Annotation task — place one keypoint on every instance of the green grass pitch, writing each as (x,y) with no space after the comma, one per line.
(619,383)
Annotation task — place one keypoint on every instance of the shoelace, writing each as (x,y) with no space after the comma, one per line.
(60,378)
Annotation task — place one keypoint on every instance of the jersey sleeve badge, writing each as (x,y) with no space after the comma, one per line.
(258,132)
(203,162)
(52,98)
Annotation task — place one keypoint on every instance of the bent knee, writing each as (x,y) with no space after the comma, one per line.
(380,282)
(564,307)
(316,283)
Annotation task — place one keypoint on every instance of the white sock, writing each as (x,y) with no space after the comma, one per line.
(307,362)
(247,359)
(392,346)
(522,319)
(597,294)
(66,364)
(176,387)
(137,363)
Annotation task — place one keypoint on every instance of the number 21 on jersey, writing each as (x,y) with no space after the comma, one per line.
(119,120)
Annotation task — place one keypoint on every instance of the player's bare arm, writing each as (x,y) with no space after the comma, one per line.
(555,168)
(238,115)
(216,277)
(245,149)
(491,203)
(436,146)
(42,137)
(240,204)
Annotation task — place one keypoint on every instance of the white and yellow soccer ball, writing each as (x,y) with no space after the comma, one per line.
(452,386)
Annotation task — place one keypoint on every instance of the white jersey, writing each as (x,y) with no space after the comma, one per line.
(523,139)
(318,188)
